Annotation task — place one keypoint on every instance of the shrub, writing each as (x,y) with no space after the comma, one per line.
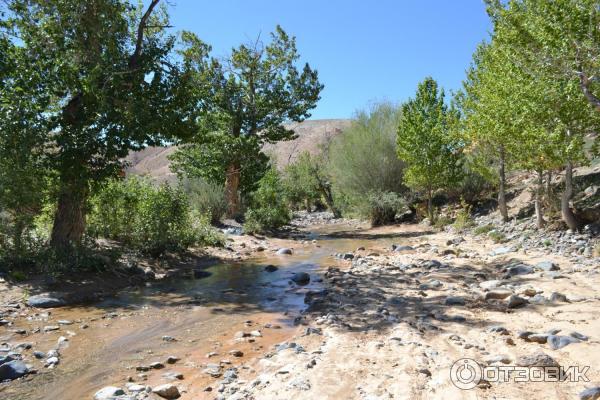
(497,237)
(268,209)
(483,229)
(382,207)
(363,159)
(442,221)
(463,217)
(148,218)
(206,198)
(300,182)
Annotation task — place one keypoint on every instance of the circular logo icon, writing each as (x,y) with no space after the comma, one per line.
(465,373)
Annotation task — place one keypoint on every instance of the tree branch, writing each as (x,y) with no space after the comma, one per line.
(584,82)
(133,60)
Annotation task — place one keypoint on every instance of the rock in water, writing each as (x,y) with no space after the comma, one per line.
(301,278)
(13,370)
(167,391)
(284,251)
(271,268)
(45,301)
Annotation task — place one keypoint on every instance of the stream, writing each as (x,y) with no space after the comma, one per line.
(115,340)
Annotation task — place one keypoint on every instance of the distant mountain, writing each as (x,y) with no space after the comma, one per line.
(311,136)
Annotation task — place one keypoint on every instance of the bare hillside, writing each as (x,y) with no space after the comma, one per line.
(311,136)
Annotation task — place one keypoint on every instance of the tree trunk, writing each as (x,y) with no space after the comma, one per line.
(565,207)
(232,196)
(69,219)
(430,207)
(502,187)
(539,217)
(326,191)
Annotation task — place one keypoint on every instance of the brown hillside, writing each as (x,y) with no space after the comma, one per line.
(153,161)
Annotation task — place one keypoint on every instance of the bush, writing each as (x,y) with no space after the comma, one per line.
(497,237)
(268,208)
(442,221)
(381,208)
(300,182)
(463,217)
(206,198)
(363,159)
(483,229)
(148,218)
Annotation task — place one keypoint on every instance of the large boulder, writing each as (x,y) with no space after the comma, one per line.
(167,391)
(13,370)
(45,301)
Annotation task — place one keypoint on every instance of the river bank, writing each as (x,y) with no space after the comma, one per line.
(385,314)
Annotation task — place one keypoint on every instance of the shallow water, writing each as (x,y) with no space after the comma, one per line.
(201,314)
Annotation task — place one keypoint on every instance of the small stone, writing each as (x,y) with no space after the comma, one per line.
(52,361)
(51,328)
(284,251)
(454,301)
(398,248)
(167,391)
(498,329)
(44,301)
(579,336)
(157,365)
(301,278)
(271,268)
(547,266)
(168,338)
(236,353)
(538,359)
(556,297)
(172,359)
(558,342)
(498,294)
(108,393)
(515,301)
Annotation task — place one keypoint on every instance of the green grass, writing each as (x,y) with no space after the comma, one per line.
(483,229)
(497,237)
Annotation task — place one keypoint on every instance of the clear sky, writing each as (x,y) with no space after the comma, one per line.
(365,51)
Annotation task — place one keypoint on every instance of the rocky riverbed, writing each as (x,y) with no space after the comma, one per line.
(335,311)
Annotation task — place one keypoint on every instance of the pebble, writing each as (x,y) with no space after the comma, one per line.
(167,391)
(108,393)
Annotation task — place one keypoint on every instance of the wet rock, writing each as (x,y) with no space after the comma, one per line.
(200,274)
(558,342)
(167,391)
(301,278)
(515,301)
(547,266)
(538,359)
(592,393)
(45,301)
(455,301)
(108,393)
(284,251)
(271,268)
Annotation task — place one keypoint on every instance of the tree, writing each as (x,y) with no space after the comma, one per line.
(552,46)
(244,102)
(107,67)
(306,181)
(425,144)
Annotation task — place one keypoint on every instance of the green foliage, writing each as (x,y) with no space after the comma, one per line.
(496,236)
(245,102)
(363,160)
(206,198)
(463,217)
(148,218)
(483,229)
(442,221)
(426,143)
(302,181)
(381,208)
(268,208)
(96,89)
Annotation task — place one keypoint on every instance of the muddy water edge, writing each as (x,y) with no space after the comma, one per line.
(197,321)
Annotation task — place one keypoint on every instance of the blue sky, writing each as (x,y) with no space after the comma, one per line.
(365,51)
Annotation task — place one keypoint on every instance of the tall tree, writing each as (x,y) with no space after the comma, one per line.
(554,45)
(425,142)
(245,100)
(114,88)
